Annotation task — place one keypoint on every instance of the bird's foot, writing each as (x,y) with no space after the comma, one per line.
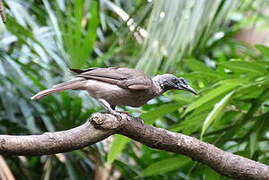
(125,113)
(108,107)
(136,118)
(116,113)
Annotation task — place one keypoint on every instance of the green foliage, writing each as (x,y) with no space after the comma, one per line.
(213,93)
(78,30)
(165,166)
(217,112)
(43,38)
(179,27)
(117,147)
(151,116)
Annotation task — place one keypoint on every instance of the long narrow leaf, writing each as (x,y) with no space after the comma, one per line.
(222,89)
(151,116)
(198,66)
(247,67)
(117,147)
(263,49)
(216,112)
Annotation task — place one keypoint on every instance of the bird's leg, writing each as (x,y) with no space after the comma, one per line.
(109,108)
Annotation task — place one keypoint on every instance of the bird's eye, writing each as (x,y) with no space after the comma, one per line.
(183,81)
(175,80)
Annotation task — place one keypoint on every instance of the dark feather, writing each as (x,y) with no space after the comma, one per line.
(79,71)
(122,77)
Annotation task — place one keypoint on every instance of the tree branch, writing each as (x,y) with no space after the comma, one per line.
(102,125)
(55,142)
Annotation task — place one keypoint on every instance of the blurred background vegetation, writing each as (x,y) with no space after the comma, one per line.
(219,46)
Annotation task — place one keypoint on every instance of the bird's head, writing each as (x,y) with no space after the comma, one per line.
(169,82)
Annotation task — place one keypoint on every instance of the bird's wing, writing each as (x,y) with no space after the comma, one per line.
(122,77)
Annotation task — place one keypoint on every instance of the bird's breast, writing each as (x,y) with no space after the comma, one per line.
(116,95)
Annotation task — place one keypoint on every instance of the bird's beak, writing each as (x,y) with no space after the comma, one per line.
(189,88)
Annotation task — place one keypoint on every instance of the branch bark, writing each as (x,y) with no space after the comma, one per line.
(102,125)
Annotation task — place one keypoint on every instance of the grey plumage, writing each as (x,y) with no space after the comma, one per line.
(119,86)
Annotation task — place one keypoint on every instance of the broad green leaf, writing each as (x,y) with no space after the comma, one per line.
(78,30)
(70,169)
(47,122)
(201,75)
(263,49)
(243,66)
(234,81)
(216,112)
(165,165)
(27,113)
(77,108)
(91,34)
(116,148)
(253,142)
(194,120)
(210,174)
(222,89)
(182,98)
(190,125)
(151,116)
(198,66)
(255,134)
(249,92)
(66,103)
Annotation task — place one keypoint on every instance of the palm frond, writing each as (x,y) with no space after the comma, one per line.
(177,28)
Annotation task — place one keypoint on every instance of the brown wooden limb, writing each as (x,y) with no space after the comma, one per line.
(103,125)
(61,141)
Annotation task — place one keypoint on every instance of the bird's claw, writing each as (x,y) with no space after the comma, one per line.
(125,113)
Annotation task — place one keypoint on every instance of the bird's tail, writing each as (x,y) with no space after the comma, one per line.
(69,85)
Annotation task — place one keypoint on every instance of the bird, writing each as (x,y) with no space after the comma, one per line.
(119,86)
